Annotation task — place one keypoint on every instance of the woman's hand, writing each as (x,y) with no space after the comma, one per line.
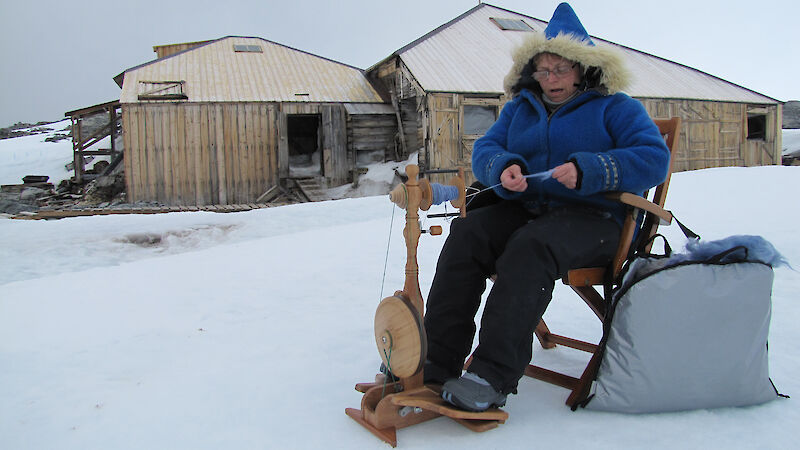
(566,174)
(512,179)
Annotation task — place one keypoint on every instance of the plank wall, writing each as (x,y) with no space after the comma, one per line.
(370,138)
(200,154)
(714,134)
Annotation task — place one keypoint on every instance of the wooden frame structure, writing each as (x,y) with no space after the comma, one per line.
(81,142)
(584,280)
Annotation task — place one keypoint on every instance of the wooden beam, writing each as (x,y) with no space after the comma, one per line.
(396,106)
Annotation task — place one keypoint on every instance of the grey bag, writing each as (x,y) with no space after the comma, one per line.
(690,331)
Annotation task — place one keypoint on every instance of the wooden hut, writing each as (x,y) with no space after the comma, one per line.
(224,121)
(450,82)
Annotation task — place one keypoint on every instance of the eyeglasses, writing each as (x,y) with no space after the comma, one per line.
(559,72)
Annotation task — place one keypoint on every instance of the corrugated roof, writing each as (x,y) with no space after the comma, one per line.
(214,72)
(472,54)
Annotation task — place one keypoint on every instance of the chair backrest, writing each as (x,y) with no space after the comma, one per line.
(670,129)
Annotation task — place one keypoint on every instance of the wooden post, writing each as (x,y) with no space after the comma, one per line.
(77,149)
(396,106)
(112,116)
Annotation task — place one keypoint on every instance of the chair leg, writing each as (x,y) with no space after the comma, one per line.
(593,299)
(581,390)
(543,334)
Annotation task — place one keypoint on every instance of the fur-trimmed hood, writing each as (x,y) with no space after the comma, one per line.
(566,36)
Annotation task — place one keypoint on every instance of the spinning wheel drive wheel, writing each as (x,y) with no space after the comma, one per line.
(400,336)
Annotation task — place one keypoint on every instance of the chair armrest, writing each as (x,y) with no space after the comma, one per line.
(643,204)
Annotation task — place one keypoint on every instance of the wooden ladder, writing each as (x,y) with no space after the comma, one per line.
(311,189)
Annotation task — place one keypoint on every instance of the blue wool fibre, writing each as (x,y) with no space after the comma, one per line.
(541,176)
(758,249)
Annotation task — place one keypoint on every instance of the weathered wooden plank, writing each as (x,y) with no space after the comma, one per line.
(151,156)
(141,153)
(377,129)
(178,157)
(267,150)
(273,142)
(129,142)
(191,137)
(244,157)
(163,136)
(204,178)
(186,188)
(283,143)
(232,153)
(221,163)
(255,114)
(364,122)
(227,124)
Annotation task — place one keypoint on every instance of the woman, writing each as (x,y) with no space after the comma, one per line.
(567,115)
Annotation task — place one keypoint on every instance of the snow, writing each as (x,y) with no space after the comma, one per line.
(791,142)
(32,155)
(249,330)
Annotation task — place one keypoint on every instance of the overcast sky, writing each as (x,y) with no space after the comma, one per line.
(62,55)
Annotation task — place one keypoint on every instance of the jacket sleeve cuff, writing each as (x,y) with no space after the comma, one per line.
(599,172)
(495,168)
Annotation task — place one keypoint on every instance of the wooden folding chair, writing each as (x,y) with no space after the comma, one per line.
(584,280)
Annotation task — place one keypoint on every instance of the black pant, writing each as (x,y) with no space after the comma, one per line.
(528,252)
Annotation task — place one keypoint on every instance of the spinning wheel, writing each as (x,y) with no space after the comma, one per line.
(388,405)
(400,336)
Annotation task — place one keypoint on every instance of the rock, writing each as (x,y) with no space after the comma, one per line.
(791,114)
(24,129)
(100,166)
(28,179)
(15,207)
(104,189)
(30,194)
(57,137)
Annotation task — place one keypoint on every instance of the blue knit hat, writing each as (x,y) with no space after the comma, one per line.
(565,21)
(565,36)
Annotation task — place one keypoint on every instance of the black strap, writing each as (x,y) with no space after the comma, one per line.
(773,387)
(686,231)
(649,241)
(716,259)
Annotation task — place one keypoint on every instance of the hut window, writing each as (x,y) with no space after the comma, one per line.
(161,90)
(241,48)
(478,118)
(757,124)
(511,24)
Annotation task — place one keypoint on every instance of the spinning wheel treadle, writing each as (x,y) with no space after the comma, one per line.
(400,336)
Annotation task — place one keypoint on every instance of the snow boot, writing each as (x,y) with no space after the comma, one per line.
(472,393)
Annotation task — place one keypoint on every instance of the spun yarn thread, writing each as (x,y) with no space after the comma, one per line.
(443,193)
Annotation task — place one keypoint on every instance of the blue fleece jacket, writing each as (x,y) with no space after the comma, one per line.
(613,141)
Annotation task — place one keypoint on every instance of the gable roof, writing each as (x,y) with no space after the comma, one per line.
(214,72)
(472,54)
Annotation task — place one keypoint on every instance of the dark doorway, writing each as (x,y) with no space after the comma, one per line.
(305,156)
